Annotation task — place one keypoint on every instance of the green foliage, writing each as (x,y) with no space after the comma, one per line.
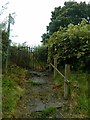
(8,87)
(71,45)
(27,57)
(5,40)
(79,100)
(19,55)
(79,93)
(12,90)
(44,37)
(48,111)
(40,54)
(11,95)
(71,12)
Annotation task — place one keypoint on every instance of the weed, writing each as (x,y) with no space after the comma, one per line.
(35,83)
(48,111)
(78,93)
(12,92)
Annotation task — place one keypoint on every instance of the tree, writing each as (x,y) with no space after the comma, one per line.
(71,12)
(44,37)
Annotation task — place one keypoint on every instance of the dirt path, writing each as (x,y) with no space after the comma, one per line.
(40,99)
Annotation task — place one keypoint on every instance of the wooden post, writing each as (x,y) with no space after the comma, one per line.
(50,68)
(8,31)
(55,64)
(7,61)
(49,60)
(29,57)
(66,84)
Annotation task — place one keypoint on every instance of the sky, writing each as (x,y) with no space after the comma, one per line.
(32,17)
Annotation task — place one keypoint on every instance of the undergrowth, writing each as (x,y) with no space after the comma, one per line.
(77,106)
(79,94)
(12,90)
(48,111)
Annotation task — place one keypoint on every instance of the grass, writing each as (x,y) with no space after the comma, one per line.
(11,94)
(80,89)
(12,90)
(78,101)
(35,83)
(13,84)
(59,79)
(48,111)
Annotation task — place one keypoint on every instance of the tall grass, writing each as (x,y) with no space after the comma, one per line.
(78,101)
(12,90)
(79,86)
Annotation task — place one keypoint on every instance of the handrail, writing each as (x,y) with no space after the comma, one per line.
(59,72)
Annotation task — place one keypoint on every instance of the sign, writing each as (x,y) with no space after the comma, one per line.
(11,19)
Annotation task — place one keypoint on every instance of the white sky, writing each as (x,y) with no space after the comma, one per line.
(32,18)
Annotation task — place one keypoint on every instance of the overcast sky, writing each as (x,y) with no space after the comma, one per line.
(32,18)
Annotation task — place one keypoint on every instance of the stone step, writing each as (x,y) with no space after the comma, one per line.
(40,106)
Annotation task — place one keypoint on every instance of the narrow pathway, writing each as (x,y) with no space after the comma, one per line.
(40,99)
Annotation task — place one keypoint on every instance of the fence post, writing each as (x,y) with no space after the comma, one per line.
(29,56)
(7,60)
(55,64)
(66,84)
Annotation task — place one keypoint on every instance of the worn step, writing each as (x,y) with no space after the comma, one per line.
(40,106)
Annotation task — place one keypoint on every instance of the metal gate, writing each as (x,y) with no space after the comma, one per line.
(27,57)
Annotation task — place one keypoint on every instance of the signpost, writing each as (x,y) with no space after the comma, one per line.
(10,21)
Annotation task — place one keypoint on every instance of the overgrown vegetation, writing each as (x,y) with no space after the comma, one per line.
(72,12)
(12,89)
(19,58)
(47,112)
(19,55)
(67,38)
(79,94)
(71,46)
(40,56)
(78,102)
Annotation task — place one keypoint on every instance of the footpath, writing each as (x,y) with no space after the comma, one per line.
(41,98)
